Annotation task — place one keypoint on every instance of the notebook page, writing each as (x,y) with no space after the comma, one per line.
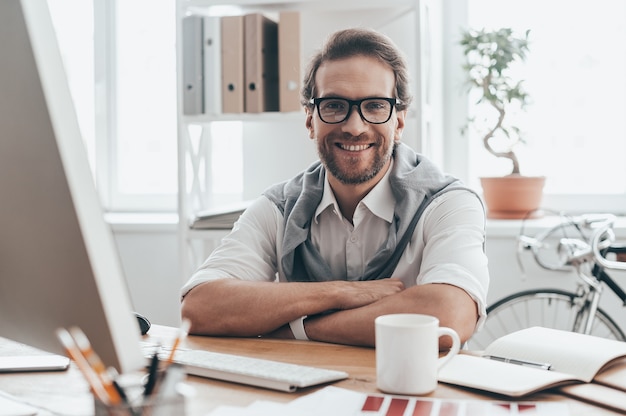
(495,376)
(614,375)
(567,352)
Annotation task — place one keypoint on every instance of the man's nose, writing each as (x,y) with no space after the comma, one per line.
(354,124)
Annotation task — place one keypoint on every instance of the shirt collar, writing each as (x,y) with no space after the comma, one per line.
(379,200)
(328,200)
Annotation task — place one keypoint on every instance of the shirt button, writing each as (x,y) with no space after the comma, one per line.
(354,239)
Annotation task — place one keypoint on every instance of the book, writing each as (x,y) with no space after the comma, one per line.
(597,394)
(221,218)
(515,365)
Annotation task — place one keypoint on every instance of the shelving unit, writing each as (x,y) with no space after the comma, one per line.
(408,22)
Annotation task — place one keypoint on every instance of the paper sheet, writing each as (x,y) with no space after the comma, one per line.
(334,401)
(10,407)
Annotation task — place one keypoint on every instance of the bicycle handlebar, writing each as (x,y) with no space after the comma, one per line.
(598,244)
(573,252)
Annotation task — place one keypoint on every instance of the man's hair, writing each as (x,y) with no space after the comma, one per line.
(360,42)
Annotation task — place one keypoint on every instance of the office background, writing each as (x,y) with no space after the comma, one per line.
(127,165)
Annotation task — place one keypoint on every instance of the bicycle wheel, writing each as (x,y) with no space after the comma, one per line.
(551,308)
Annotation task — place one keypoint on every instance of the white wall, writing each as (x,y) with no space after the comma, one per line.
(149,255)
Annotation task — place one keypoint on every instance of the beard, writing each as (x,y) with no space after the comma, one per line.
(348,169)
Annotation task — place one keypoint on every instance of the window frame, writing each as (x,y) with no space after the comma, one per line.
(106,134)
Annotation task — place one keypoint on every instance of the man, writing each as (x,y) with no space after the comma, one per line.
(371,229)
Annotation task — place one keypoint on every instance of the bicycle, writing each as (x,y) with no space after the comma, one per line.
(579,244)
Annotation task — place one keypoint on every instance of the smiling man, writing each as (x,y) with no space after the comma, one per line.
(372,228)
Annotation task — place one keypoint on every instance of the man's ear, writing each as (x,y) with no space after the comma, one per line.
(309,122)
(400,119)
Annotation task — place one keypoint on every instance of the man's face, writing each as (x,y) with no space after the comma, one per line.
(355,151)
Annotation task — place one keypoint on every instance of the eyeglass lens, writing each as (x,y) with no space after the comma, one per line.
(336,110)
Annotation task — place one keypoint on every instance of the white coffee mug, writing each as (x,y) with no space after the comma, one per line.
(407,352)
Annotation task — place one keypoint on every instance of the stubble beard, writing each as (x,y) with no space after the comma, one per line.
(346,169)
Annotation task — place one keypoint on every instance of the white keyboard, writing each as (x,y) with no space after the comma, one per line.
(254,371)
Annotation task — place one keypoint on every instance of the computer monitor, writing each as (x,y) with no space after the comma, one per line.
(58,262)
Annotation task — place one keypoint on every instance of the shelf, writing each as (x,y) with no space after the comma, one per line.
(268,117)
(273,116)
(222,8)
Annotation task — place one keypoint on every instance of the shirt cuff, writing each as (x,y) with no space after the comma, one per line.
(297,328)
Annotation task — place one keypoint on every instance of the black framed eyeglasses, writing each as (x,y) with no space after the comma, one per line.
(374,110)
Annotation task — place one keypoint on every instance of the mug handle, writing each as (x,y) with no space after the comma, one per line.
(456,345)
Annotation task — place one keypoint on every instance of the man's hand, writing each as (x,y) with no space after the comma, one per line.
(243,308)
(361,293)
(451,305)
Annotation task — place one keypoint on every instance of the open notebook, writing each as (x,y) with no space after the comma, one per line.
(575,360)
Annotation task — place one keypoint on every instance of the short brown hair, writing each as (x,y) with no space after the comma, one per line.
(353,42)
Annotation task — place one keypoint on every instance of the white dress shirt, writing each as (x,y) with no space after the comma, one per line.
(446,247)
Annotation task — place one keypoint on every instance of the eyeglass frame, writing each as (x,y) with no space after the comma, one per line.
(352,103)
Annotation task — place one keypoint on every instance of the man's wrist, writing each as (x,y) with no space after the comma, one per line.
(297,328)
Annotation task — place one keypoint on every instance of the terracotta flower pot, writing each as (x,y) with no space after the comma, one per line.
(513,196)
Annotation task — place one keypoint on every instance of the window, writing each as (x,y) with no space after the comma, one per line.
(574,127)
(126,49)
(75,36)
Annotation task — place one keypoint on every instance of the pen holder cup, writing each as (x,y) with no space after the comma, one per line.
(157,406)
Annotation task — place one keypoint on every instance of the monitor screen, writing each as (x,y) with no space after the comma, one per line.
(58,263)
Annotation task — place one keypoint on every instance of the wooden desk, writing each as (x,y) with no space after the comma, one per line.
(67,393)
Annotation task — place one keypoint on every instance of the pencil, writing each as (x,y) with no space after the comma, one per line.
(182,333)
(81,362)
(84,346)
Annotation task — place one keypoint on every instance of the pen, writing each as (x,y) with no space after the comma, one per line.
(84,346)
(153,371)
(542,366)
(92,378)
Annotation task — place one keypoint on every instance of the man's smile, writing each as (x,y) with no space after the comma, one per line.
(354,147)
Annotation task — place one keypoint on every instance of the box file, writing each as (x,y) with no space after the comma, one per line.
(212,65)
(193,65)
(232,53)
(289,58)
(261,63)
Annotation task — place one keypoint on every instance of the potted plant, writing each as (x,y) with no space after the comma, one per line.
(489,55)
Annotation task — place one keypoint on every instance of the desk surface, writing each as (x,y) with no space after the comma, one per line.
(67,393)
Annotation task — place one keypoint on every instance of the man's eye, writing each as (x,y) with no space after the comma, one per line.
(334,105)
(376,105)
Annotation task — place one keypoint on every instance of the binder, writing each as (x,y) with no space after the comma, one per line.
(193,83)
(232,53)
(289,75)
(212,65)
(261,63)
